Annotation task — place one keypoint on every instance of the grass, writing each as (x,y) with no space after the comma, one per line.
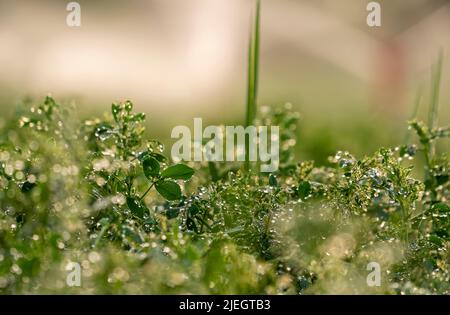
(100,193)
(253,67)
(435,88)
(253,73)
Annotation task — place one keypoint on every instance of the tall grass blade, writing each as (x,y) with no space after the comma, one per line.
(414,112)
(252,74)
(253,65)
(435,90)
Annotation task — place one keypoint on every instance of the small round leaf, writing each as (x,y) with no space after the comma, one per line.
(168,189)
(304,189)
(136,207)
(178,171)
(151,167)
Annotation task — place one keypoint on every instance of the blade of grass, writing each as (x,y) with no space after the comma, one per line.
(252,75)
(432,119)
(253,64)
(435,90)
(414,112)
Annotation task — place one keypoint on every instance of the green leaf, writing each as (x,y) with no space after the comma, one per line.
(442,179)
(151,167)
(172,213)
(179,171)
(141,156)
(304,189)
(441,207)
(139,117)
(103,131)
(194,209)
(168,189)
(128,106)
(435,240)
(273,181)
(136,206)
(190,224)
(158,156)
(27,186)
(115,109)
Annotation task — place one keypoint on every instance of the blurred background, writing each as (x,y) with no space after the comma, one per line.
(355,86)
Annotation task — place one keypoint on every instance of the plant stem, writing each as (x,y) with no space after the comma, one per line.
(146,192)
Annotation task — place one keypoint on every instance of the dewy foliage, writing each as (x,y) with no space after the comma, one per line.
(98,193)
